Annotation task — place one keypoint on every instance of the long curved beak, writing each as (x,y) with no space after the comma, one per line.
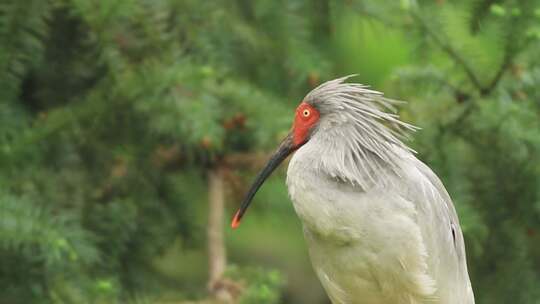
(285,149)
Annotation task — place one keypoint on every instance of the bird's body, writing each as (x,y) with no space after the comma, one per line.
(379,224)
(387,245)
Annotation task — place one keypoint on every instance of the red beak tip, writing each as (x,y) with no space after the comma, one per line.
(236,221)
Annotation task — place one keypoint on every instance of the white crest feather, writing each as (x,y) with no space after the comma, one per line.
(361,133)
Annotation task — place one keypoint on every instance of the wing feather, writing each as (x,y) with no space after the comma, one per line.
(439,223)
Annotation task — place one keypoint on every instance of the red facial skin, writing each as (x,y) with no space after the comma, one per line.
(306,117)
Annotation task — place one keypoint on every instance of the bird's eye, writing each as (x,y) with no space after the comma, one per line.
(306,113)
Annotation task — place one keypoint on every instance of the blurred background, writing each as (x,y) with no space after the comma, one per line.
(130,130)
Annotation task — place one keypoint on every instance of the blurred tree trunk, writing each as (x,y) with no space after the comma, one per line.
(217,257)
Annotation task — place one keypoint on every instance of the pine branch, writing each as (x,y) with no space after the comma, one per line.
(25,225)
(511,50)
(506,63)
(365,10)
(56,120)
(480,11)
(449,50)
(22,26)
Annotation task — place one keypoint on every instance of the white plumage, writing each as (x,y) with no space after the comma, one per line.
(380,226)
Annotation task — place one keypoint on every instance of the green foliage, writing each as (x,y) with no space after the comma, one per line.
(105,107)
(260,286)
(38,246)
(111,113)
(22,26)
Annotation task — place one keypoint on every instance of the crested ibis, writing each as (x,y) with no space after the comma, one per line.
(379,224)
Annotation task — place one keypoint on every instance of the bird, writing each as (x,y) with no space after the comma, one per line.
(379,225)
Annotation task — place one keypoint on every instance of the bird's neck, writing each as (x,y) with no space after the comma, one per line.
(348,154)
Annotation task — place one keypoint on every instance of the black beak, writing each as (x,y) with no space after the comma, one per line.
(285,149)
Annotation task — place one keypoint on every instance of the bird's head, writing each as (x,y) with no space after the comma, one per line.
(354,122)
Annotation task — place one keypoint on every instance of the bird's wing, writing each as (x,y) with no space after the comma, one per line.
(441,231)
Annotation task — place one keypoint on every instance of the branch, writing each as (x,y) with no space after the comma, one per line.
(479,13)
(450,51)
(484,90)
(374,15)
(510,51)
(507,61)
